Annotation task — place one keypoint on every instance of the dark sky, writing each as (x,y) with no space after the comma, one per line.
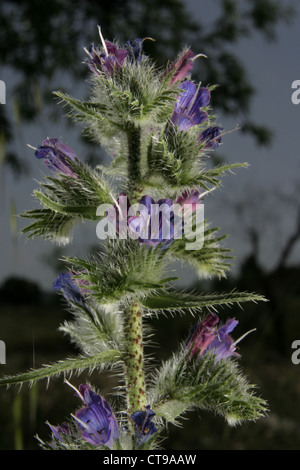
(272,67)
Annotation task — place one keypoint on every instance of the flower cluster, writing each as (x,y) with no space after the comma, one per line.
(110,58)
(98,424)
(153,222)
(109,61)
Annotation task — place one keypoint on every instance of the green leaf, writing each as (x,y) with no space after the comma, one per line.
(50,225)
(170,410)
(124,268)
(211,260)
(213,176)
(93,328)
(63,367)
(66,202)
(79,211)
(82,109)
(182,384)
(168,300)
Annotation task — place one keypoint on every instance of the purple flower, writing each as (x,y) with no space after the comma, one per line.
(181,67)
(191,198)
(109,61)
(143,424)
(189,202)
(152,222)
(155,222)
(223,345)
(187,111)
(206,337)
(57,156)
(96,419)
(71,291)
(94,60)
(59,431)
(211,137)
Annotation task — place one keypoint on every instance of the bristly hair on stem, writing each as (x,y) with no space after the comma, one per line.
(134,161)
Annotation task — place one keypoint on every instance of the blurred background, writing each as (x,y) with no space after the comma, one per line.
(252,50)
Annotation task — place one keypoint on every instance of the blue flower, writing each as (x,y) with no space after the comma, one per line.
(135,50)
(66,283)
(57,156)
(143,424)
(96,419)
(211,137)
(223,345)
(187,111)
(206,337)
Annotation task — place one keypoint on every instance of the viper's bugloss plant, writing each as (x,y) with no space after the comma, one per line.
(146,206)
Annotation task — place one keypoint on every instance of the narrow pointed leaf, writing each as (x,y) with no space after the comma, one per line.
(165,300)
(81,211)
(64,367)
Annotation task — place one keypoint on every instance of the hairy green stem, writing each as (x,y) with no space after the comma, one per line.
(134,359)
(134,159)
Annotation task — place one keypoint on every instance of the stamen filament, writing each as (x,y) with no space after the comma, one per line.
(102,40)
(243,336)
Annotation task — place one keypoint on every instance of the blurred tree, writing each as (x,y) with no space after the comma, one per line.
(20,291)
(39,39)
(270,222)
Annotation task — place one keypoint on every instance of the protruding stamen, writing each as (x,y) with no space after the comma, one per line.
(102,40)
(208,192)
(150,39)
(74,388)
(237,128)
(87,52)
(31,147)
(243,336)
(198,55)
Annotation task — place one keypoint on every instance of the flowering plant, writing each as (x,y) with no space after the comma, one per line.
(158,127)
